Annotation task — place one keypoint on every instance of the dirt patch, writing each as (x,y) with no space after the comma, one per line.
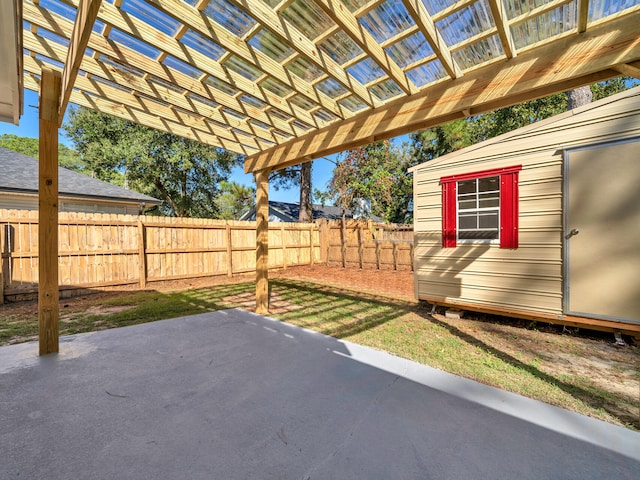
(388,283)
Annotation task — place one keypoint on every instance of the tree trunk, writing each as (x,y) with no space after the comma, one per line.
(578,97)
(306,213)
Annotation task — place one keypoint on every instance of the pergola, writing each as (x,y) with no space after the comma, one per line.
(286,81)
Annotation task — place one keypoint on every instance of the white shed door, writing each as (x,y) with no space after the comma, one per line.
(602,232)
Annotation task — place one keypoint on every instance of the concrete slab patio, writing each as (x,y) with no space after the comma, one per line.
(233,395)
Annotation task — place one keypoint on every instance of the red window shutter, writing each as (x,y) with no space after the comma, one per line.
(449,214)
(509,210)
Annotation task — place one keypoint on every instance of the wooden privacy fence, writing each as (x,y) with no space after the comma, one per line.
(107,249)
(364,244)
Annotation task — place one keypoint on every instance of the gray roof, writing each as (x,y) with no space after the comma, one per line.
(20,174)
(292,212)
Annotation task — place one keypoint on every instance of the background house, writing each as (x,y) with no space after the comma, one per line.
(542,222)
(77,192)
(290,212)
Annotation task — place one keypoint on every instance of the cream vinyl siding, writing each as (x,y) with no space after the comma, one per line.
(529,278)
(11,201)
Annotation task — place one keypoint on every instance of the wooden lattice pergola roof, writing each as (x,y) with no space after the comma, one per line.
(286,81)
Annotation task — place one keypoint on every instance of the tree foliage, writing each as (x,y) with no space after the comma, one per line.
(67,157)
(378,173)
(184,173)
(452,136)
(235,200)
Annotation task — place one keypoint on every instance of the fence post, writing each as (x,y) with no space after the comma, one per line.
(359,226)
(142,254)
(284,247)
(395,254)
(343,242)
(229,251)
(411,255)
(311,245)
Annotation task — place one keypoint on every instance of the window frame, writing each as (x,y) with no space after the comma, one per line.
(477,210)
(507,210)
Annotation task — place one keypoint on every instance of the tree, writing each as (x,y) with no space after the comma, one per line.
(67,157)
(378,173)
(440,140)
(300,176)
(235,200)
(186,174)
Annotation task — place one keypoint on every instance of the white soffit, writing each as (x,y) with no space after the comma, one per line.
(11,93)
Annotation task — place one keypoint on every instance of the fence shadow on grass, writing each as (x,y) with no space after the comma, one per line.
(594,399)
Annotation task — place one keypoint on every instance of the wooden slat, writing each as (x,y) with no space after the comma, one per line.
(290,34)
(339,13)
(426,25)
(262,242)
(114,17)
(204,25)
(136,115)
(574,61)
(48,310)
(499,13)
(85,18)
(231,140)
(583,15)
(122,54)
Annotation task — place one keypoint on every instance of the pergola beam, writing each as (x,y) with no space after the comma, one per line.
(337,11)
(552,68)
(428,28)
(123,55)
(294,37)
(629,69)
(583,15)
(85,18)
(504,32)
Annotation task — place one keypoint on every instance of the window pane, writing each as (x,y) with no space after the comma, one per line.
(475,235)
(489,220)
(488,200)
(468,221)
(466,203)
(489,184)
(468,186)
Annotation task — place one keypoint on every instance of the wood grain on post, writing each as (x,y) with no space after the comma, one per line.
(142,254)
(262,242)
(311,260)
(48,295)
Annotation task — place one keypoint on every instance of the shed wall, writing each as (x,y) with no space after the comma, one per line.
(529,278)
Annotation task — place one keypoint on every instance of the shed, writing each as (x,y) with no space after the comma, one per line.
(77,192)
(542,222)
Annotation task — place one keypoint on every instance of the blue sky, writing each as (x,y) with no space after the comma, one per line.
(321,173)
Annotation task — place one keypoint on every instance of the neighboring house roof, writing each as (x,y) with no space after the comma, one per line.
(290,212)
(20,174)
(515,134)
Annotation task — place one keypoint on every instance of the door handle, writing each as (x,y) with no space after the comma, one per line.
(572,233)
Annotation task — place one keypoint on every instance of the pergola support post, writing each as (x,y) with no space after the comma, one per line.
(48,308)
(262,242)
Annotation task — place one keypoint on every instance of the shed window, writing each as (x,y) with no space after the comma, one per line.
(481,206)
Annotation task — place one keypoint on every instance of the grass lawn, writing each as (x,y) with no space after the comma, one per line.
(586,374)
